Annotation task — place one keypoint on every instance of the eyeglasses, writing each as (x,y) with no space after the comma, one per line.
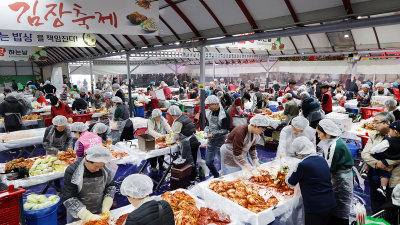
(377,123)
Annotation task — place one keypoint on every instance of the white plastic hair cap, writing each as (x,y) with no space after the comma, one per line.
(287,95)
(300,122)
(380,84)
(212,99)
(137,186)
(304,94)
(365,86)
(116,99)
(174,111)
(101,128)
(79,127)
(116,85)
(98,154)
(156,112)
(303,145)
(83,89)
(97,91)
(77,96)
(59,121)
(259,120)
(330,127)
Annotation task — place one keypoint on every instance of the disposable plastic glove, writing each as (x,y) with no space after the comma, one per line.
(87,216)
(256,163)
(107,203)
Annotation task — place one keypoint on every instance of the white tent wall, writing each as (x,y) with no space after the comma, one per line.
(47,70)
(17,68)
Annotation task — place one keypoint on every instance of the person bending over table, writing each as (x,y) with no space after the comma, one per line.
(340,162)
(38,95)
(261,102)
(101,130)
(60,109)
(391,106)
(185,131)
(85,140)
(313,175)
(225,99)
(49,89)
(157,126)
(243,139)
(118,92)
(137,188)
(290,88)
(217,131)
(57,137)
(89,186)
(299,128)
(97,99)
(26,105)
(121,115)
(291,108)
(237,107)
(74,90)
(11,110)
(326,99)
(167,91)
(79,104)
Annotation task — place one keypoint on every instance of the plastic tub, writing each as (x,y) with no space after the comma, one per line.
(203,152)
(140,111)
(272,108)
(353,149)
(46,216)
(354,111)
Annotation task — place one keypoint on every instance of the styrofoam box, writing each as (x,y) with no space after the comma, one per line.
(379,100)
(341,120)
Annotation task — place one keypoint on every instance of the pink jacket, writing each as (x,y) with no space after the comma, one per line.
(89,140)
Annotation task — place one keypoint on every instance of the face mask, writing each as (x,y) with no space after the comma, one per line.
(56,105)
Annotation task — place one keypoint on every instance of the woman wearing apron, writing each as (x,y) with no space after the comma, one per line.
(340,162)
(121,115)
(242,140)
(89,186)
(38,95)
(85,140)
(184,90)
(57,137)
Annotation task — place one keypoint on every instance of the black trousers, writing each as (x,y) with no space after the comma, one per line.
(153,161)
(127,133)
(314,125)
(194,145)
(337,221)
(318,218)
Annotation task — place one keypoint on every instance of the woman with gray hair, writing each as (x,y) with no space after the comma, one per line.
(261,103)
(121,115)
(97,99)
(391,106)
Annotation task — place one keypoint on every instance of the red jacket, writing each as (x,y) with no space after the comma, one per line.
(327,107)
(167,92)
(63,109)
(396,93)
(232,87)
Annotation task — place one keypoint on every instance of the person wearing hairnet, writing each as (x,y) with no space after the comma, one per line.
(89,186)
(391,106)
(4,94)
(26,105)
(256,82)
(243,139)
(166,90)
(225,98)
(313,175)
(326,98)
(332,86)
(184,90)
(85,140)
(364,96)
(237,107)
(157,126)
(49,90)
(97,99)
(339,91)
(217,130)
(60,108)
(151,86)
(148,210)
(118,92)
(38,95)
(101,130)
(340,161)
(299,128)
(381,91)
(121,115)
(223,85)
(241,87)
(261,103)
(12,110)
(83,93)
(250,85)
(185,131)
(291,108)
(212,88)
(57,137)
(79,104)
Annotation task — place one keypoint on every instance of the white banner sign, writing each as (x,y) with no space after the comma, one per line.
(18,53)
(264,44)
(31,38)
(133,17)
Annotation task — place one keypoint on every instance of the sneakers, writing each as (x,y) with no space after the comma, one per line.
(162,168)
(364,174)
(154,169)
(382,191)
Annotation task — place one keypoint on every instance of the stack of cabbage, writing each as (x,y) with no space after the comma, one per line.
(46,165)
(34,201)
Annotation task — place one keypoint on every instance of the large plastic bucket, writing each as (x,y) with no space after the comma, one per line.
(46,216)
(272,108)
(140,111)
(353,149)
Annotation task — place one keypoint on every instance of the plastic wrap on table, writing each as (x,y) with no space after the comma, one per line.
(139,122)
(132,158)
(30,137)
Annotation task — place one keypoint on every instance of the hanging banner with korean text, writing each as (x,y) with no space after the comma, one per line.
(271,44)
(132,17)
(32,38)
(28,53)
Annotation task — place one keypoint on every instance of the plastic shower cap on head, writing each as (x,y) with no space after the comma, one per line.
(240,79)
(221,79)
(116,99)
(300,122)
(358,82)
(83,89)
(380,84)
(330,127)
(303,145)
(275,82)
(165,85)
(264,95)
(390,103)
(386,85)
(287,95)
(156,112)
(12,94)
(256,78)
(301,89)
(77,96)
(395,84)
(208,92)
(215,80)
(19,96)
(79,127)
(212,100)
(153,83)
(98,154)
(137,186)
(96,91)
(333,83)
(220,87)
(116,85)
(220,94)
(174,111)
(249,81)
(396,195)
(101,128)
(259,120)
(211,83)
(60,121)
(365,86)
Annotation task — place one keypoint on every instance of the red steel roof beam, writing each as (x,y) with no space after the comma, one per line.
(119,42)
(58,53)
(348,8)
(160,39)
(129,40)
(107,42)
(214,16)
(187,21)
(248,16)
(144,40)
(69,50)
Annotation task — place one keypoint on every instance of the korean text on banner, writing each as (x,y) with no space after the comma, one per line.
(28,53)
(132,17)
(264,44)
(31,38)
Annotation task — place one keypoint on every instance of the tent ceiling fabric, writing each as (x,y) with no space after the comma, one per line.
(268,15)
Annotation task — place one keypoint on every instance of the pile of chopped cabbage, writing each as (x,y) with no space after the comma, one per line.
(46,165)
(35,202)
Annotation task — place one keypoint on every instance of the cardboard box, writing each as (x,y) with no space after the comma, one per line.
(146,142)
(379,100)
(343,121)
(181,172)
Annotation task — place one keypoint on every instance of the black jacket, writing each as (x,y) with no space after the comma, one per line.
(188,127)
(79,104)
(15,86)
(148,214)
(396,114)
(85,97)
(49,89)
(11,105)
(121,95)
